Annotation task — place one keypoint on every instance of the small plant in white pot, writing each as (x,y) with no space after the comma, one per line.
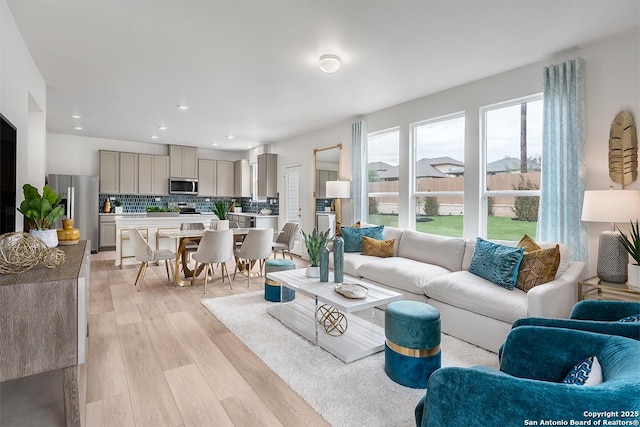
(632,244)
(42,212)
(314,242)
(221,209)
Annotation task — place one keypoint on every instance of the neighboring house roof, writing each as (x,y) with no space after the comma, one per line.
(379,166)
(424,169)
(443,161)
(504,165)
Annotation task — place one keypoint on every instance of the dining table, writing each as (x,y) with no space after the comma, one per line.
(186,238)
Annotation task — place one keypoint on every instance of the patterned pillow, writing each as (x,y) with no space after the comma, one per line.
(339,227)
(496,263)
(587,372)
(379,248)
(634,318)
(528,244)
(353,236)
(538,267)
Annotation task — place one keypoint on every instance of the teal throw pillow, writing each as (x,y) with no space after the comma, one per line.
(353,236)
(498,264)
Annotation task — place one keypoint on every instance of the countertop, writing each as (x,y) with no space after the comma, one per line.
(250,214)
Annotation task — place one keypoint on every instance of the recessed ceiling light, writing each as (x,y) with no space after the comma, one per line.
(214,143)
(163,127)
(230,136)
(154,136)
(77,127)
(329,63)
(183,107)
(76,116)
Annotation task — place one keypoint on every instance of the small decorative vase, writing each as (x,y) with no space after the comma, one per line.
(107,206)
(49,237)
(633,272)
(324,264)
(313,272)
(67,235)
(338,259)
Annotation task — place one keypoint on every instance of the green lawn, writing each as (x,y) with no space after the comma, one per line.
(499,228)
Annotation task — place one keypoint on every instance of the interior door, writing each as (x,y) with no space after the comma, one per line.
(293,213)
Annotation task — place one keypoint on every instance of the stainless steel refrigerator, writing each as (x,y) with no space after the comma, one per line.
(80,198)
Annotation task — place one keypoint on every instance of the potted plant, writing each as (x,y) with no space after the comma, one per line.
(314,242)
(632,245)
(327,206)
(42,212)
(158,211)
(118,206)
(221,209)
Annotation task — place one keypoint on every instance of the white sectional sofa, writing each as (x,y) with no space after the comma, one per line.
(434,269)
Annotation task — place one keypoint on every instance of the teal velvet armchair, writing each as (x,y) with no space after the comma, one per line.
(595,316)
(528,387)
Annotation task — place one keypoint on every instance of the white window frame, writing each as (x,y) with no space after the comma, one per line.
(380,194)
(414,158)
(483,215)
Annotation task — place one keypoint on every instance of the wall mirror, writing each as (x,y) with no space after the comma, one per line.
(327,166)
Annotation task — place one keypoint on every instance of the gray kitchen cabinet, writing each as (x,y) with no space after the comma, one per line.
(128,173)
(184,161)
(225,178)
(322,176)
(241,178)
(109,171)
(107,231)
(207,177)
(267,175)
(153,174)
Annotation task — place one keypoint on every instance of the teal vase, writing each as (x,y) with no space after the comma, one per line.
(338,259)
(324,264)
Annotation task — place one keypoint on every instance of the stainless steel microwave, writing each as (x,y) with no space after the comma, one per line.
(183,186)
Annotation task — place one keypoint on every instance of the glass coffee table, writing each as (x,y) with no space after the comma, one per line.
(326,318)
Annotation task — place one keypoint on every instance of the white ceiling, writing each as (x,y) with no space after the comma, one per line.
(249,68)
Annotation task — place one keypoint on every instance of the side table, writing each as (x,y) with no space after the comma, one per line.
(595,288)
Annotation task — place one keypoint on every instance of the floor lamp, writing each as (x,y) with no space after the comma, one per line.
(613,206)
(338,190)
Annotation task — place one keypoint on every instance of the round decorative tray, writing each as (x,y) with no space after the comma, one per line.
(352,290)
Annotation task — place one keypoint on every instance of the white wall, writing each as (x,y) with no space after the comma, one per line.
(612,79)
(78,155)
(22,89)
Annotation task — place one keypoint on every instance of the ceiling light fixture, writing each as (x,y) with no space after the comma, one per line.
(230,136)
(77,127)
(183,107)
(329,63)
(154,137)
(76,116)
(162,127)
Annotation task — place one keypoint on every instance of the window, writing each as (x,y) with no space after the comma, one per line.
(512,168)
(383,151)
(439,175)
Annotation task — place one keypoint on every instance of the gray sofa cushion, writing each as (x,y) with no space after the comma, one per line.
(400,273)
(443,251)
(473,293)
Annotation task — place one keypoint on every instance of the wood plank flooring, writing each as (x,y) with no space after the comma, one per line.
(157,357)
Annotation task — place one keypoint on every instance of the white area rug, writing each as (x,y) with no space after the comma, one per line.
(354,394)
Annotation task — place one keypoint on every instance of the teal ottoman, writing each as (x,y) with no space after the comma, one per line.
(412,348)
(271,287)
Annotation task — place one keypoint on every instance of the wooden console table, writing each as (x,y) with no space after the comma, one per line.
(43,323)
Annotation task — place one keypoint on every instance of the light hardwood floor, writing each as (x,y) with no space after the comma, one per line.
(158,358)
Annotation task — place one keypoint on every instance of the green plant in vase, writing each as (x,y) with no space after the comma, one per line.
(631,244)
(221,209)
(42,212)
(314,242)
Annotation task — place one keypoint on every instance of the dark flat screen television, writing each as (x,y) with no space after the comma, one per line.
(8,208)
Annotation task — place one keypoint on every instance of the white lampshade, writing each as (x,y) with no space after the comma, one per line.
(611,206)
(338,189)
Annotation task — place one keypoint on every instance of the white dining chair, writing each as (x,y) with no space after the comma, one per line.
(215,247)
(145,254)
(255,247)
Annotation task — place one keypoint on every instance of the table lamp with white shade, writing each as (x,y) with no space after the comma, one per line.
(613,206)
(338,190)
